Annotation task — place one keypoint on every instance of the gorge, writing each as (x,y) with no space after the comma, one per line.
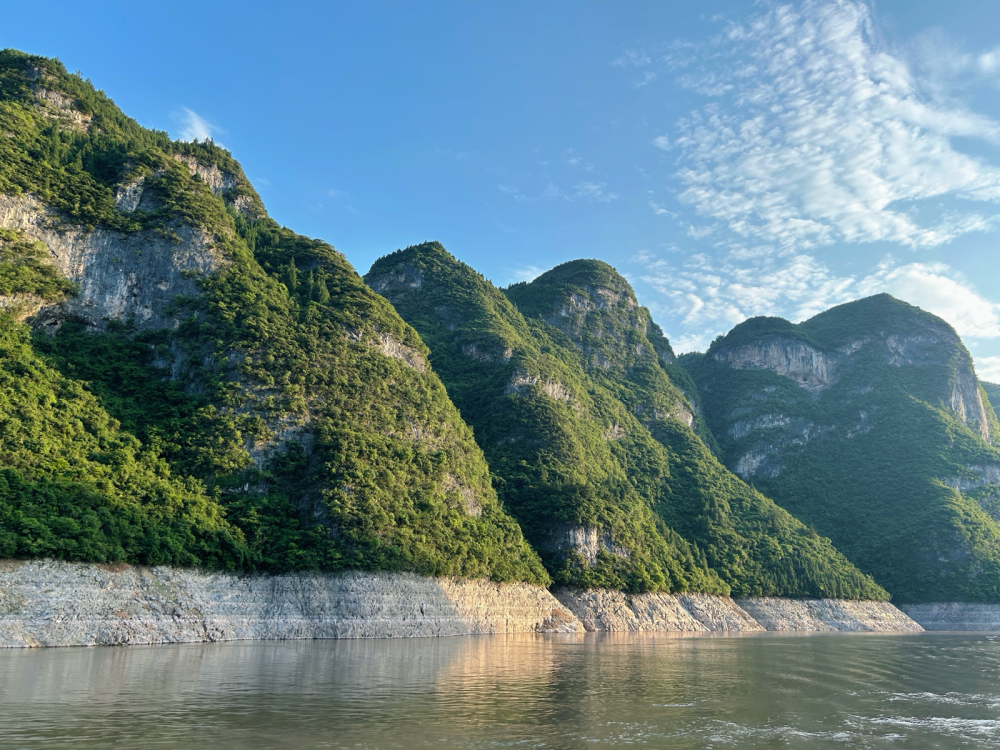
(212,428)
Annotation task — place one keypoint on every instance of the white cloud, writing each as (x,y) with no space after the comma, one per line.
(575,160)
(988,369)
(662,142)
(938,289)
(708,296)
(591,191)
(594,192)
(829,139)
(527,273)
(632,57)
(647,78)
(195,127)
(661,211)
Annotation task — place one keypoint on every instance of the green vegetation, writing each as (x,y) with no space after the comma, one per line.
(542,429)
(24,272)
(569,396)
(75,486)
(755,547)
(873,460)
(284,356)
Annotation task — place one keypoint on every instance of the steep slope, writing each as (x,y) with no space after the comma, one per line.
(754,545)
(867,421)
(564,456)
(574,459)
(992,391)
(230,375)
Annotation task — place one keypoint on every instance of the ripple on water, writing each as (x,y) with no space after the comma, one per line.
(606,690)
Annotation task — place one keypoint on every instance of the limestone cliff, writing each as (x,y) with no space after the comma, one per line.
(121,277)
(48,603)
(175,327)
(868,422)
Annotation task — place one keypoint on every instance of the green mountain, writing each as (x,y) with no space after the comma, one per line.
(992,391)
(867,422)
(567,383)
(187,382)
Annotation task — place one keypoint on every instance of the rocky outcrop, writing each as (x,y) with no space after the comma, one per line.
(975,477)
(955,615)
(827,615)
(802,362)
(52,603)
(47,603)
(967,401)
(617,611)
(218,181)
(585,541)
(120,276)
(601,609)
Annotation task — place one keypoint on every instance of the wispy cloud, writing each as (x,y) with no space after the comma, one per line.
(632,58)
(575,160)
(588,190)
(816,135)
(710,295)
(988,369)
(594,192)
(195,127)
(526,273)
(648,77)
(938,288)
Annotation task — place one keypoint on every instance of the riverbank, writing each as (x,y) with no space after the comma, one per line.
(52,603)
(957,616)
(604,610)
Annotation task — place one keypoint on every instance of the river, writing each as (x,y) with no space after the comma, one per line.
(611,690)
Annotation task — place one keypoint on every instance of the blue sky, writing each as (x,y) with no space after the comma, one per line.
(730,158)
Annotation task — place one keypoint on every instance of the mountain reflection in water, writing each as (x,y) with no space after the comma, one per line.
(653,690)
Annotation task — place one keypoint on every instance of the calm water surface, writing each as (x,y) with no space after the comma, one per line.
(818,691)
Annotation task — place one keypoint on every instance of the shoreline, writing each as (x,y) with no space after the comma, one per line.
(48,603)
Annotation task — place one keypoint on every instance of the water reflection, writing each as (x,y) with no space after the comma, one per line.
(526,691)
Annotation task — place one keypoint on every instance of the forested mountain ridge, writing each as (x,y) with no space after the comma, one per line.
(867,422)
(187,382)
(569,395)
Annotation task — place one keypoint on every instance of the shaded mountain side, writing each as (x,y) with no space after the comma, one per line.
(216,359)
(867,422)
(573,444)
(749,540)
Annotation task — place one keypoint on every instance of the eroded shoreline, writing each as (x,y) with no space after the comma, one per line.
(52,603)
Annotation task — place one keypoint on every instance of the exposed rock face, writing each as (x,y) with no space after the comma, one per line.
(56,106)
(815,369)
(219,181)
(586,541)
(805,364)
(134,276)
(50,603)
(551,388)
(601,609)
(977,476)
(955,615)
(827,615)
(47,603)
(967,401)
